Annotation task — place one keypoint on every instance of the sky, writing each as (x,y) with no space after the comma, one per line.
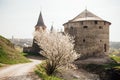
(19,17)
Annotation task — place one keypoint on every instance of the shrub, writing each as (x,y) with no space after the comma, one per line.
(57,48)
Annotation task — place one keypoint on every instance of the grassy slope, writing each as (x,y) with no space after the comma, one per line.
(0,65)
(8,54)
(41,72)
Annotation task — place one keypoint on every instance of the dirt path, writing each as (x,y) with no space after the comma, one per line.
(20,71)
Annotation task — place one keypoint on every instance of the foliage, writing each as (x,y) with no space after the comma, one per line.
(40,71)
(24,54)
(116,58)
(30,54)
(114,65)
(57,48)
(111,65)
(8,54)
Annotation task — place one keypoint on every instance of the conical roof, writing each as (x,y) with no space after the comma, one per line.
(40,21)
(86,15)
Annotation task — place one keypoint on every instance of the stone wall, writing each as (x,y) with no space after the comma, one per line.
(91,37)
(27,49)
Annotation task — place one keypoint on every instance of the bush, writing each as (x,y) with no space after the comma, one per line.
(57,48)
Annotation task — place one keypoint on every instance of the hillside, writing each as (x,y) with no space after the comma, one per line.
(8,54)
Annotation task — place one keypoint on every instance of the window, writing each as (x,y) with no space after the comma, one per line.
(71,28)
(96,22)
(105,48)
(81,23)
(83,40)
(104,22)
(85,26)
(100,27)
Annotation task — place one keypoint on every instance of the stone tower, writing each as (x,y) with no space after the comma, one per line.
(40,25)
(91,33)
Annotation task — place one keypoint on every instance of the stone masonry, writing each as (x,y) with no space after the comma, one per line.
(91,33)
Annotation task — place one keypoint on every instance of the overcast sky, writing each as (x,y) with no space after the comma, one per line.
(18,17)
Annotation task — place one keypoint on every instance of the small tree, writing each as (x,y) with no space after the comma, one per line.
(57,48)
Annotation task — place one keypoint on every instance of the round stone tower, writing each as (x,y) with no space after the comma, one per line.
(91,33)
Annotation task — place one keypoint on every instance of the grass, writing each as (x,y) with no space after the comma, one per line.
(40,71)
(116,58)
(0,65)
(8,54)
(24,54)
(113,65)
(12,57)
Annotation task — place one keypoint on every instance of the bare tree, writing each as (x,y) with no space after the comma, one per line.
(57,48)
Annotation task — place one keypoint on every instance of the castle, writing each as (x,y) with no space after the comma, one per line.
(91,33)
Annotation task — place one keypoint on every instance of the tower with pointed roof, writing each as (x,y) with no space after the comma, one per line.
(91,34)
(40,25)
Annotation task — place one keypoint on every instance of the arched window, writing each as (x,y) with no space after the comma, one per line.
(71,30)
(96,22)
(105,47)
(85,27)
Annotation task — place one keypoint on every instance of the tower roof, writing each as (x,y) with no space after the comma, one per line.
(86,15)
(40,21)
